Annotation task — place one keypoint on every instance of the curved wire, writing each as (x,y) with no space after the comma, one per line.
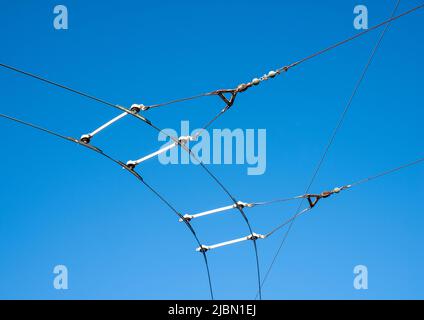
(286,68)
(215,178)
(342,117)
(148,122)
(121,164)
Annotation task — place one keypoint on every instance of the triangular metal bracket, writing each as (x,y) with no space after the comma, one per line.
(228,101)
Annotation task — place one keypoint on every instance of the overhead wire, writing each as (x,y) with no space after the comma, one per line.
(123,165)
(220,93)
(342,117)
(312,205)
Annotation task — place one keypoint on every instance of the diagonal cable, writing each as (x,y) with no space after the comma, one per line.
(333,136)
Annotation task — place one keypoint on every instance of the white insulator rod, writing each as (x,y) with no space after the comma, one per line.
(240,204)
(181,140)
(107,124)
(206,213)
(230,242)
(154,154)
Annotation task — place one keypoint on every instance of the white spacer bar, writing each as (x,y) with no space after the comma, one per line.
(252,236)
(201,214)
(107,124)
(154,154)
(135,108)
(206,213)
(182,140)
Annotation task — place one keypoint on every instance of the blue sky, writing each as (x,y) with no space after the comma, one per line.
(61,204)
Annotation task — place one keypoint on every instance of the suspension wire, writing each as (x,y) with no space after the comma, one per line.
(241,204)
(32,75)
(386,22)
(312,205)
(148,122)
(243,87)
(357,183)
(388,172)
(219,182)
(240,88)
(287,221)
(340,121)
(123,165)
(272,74)
(264,203)
(116,106)
(180,100)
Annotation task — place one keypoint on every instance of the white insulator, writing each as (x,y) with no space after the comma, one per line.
(252,236)
(186,217)
(209,212)
(272,74)
(131,164)
(202,248)
(185,139)
(256,81)
(85,138)
(156,153)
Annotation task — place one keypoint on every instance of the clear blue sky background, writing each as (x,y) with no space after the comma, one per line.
(61,204)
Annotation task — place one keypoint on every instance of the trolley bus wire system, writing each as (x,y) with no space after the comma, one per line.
(228,96)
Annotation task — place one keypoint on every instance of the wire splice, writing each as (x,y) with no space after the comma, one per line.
(314,198)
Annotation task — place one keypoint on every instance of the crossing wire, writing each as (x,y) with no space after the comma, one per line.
(241,88)
(335,131)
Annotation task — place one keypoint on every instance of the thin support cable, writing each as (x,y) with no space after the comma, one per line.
(312,205)
(341,120)
(240,88)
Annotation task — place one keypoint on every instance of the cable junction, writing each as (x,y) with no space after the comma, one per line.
(313,199)
(274,73)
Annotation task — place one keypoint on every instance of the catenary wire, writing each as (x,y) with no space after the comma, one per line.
(339,123)
(121,164)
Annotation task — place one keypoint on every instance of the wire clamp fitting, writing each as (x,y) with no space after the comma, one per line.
(185,139)
(136,108)
(85,138)
(131,164)
(241,205)
(202,248)
(221,93)
(186,218)
(255,236)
